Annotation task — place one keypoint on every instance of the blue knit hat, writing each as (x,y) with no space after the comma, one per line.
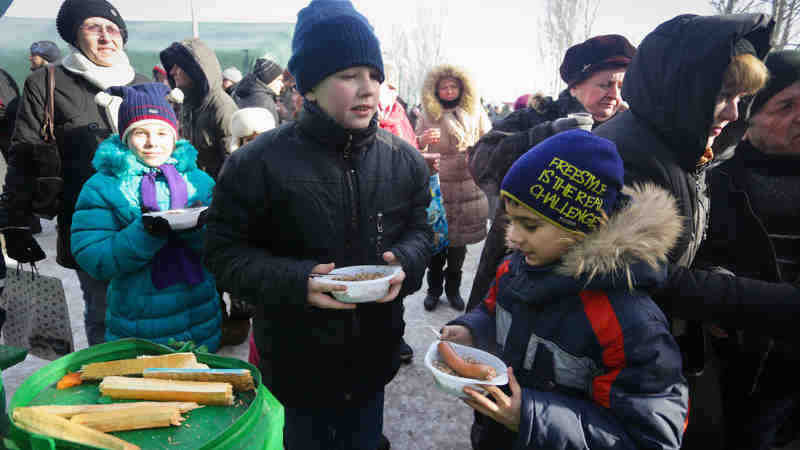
(330,35)
(143,104)
(570,179)
(47,50)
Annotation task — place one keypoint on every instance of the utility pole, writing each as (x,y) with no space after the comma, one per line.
(195,23)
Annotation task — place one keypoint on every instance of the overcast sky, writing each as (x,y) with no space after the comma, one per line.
(495,40)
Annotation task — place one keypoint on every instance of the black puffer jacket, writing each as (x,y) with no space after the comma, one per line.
(661,138)
(671,97)
(671,86)
(80,126)
(251,92)
(307,193)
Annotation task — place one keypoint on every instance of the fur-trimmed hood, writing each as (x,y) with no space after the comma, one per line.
(469,101)
(632,249)
(115,159)
(642,231)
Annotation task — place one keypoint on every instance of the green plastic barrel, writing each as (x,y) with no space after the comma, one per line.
(255,421)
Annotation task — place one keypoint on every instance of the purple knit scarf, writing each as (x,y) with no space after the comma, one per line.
(174,262)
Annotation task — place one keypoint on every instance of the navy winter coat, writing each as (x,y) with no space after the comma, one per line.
(596,360)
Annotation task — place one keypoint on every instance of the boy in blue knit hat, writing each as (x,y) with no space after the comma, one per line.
(591,360)
(328,190)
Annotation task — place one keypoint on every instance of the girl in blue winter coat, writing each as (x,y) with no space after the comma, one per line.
(592,361)
(159,288)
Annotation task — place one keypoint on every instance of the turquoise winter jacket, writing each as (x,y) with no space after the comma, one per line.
(110,243)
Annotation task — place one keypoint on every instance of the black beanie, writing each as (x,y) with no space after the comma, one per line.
(267,70)
(74,12)
(330,35)
(784,70)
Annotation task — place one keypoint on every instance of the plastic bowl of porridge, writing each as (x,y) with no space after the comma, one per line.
(364,283)
(452,384)
(180,219)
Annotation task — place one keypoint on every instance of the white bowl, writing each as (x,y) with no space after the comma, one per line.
(180,219)
(454,385)
(363,291)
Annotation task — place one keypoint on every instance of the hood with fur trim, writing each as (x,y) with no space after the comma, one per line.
(632,248)
(115,159)
(200,62)
(469,100)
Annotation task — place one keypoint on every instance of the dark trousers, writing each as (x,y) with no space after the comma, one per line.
(494,250)
(451,257)
(94,314)
(352,427)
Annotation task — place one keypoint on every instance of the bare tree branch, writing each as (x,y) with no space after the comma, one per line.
(415,45)
(564,23)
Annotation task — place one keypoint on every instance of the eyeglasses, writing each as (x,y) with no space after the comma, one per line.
(98,29)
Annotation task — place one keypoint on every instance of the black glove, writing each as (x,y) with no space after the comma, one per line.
(576,121)
(202,219)
(156,225)
(21,246)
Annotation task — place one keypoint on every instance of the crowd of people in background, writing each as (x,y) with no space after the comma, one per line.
(640,268)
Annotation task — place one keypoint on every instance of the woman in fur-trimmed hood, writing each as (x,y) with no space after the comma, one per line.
(453,121)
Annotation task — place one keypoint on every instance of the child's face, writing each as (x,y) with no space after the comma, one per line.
(541,242)
(152,143)
(350,96)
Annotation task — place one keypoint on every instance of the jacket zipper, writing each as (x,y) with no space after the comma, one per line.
(350,172)
(379,238)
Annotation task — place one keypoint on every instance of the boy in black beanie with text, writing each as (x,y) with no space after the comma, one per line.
(330,189)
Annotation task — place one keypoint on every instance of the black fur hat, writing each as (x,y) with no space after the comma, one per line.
(74,12)
(595,54)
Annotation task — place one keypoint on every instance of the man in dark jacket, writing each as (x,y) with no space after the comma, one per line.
(260,88)
(755,199)
(594,71)
(43,53)
(205,120)
(97,32)
(673,86)
(207,110)
(329,188)
(230,78)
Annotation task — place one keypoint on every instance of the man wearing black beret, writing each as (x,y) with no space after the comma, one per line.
(44,52)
